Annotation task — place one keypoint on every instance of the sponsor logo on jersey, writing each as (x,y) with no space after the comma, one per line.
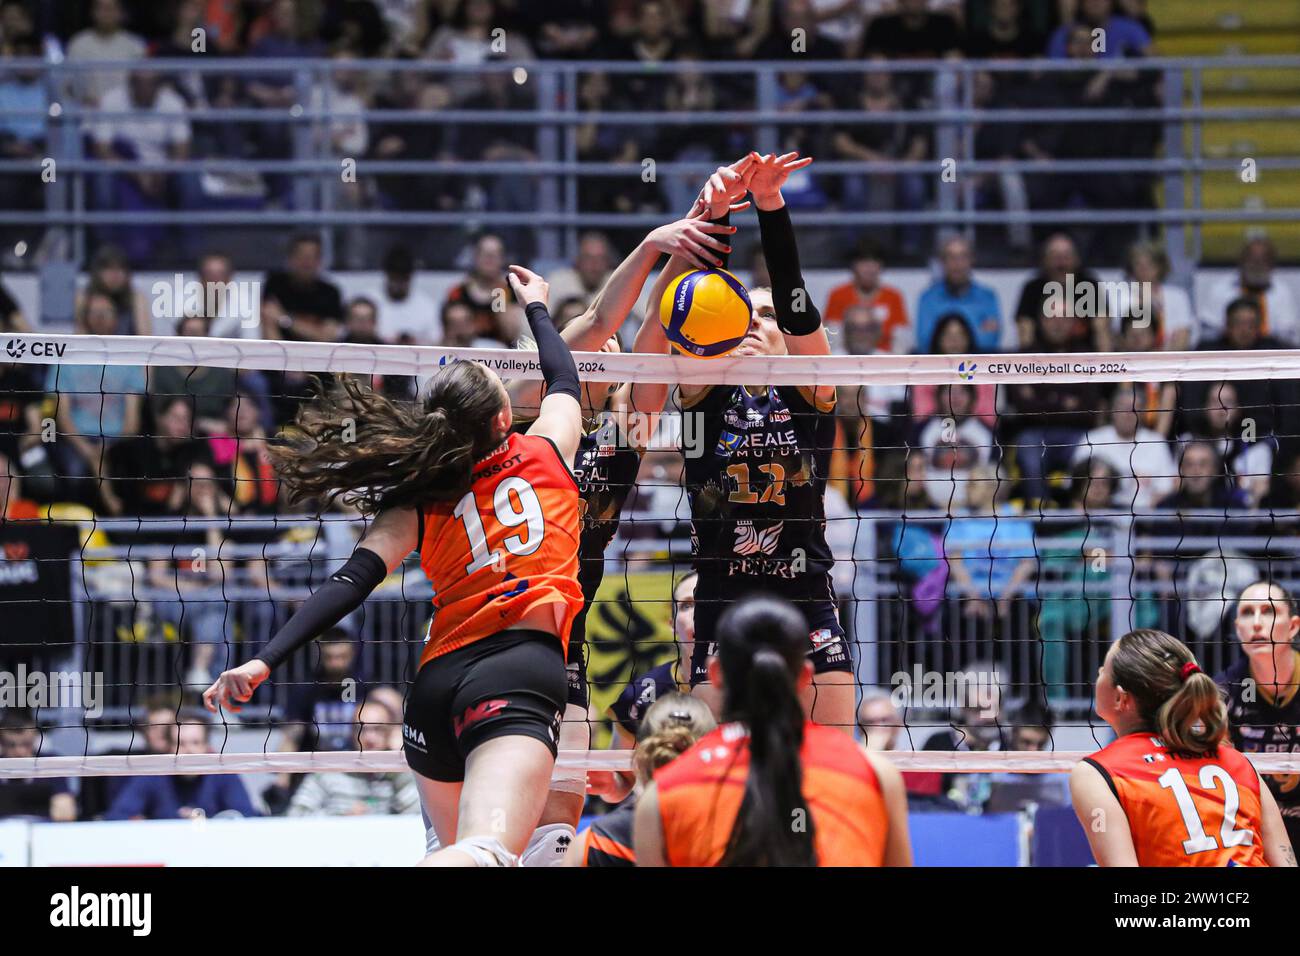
(727,443)
(749,540)
(477,714)
(413,738)
(606,451)
(778,416)
(754,416)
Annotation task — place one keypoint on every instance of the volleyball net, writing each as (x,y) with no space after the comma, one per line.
(995,522)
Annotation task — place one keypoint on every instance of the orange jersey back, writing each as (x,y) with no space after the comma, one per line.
(700,794)
(508,546)
(1185,810)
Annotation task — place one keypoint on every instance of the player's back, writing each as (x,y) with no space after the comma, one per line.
(506,547)
(700,794)
(1183,809)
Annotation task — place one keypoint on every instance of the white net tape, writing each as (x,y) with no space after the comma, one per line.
(392,761)
(632,367)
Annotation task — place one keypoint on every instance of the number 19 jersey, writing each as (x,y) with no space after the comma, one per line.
(508,546)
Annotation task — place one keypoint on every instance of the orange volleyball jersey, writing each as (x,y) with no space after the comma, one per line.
(1185,810)
(508,546)
(700,794)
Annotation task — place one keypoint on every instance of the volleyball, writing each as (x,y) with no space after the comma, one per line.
(705,313)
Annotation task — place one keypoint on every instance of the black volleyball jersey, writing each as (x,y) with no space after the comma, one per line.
(640,693)
(756,476)
(1266,720)
(605,469)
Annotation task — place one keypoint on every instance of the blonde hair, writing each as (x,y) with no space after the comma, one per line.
(1187,712)
(672,724)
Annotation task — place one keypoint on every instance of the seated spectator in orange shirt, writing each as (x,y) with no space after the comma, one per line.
(866,289)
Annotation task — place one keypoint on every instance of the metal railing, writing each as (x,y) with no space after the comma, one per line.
(555,170)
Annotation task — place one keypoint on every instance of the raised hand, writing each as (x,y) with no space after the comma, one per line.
(726,188)
(693,240)
(769,173)
(529,287)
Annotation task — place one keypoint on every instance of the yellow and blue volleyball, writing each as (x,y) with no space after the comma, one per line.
(705,313)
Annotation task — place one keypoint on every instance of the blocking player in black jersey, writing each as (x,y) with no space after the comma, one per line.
(1263,704)
(606,465)
(757,474)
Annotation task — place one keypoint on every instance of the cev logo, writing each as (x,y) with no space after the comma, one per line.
(966,370)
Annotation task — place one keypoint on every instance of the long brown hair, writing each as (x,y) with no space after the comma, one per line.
(1187,712)
(351,441)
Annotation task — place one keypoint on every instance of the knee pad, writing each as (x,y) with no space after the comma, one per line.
(548,845)
(485,851)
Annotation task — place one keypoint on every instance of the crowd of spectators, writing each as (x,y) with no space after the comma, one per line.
(172,108)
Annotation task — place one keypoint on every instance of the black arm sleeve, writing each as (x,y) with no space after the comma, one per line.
(558,369)
(330,603)
(796,313)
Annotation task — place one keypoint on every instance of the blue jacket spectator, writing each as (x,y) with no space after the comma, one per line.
(958,293)
(181,796)
(1124,36)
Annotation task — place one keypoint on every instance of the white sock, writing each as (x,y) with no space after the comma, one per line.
(548,845)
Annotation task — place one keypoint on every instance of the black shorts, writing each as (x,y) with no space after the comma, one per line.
(511,684)
(811,594)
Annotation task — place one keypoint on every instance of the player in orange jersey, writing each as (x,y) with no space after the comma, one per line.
(769,787)
(494,517)
(1171,791)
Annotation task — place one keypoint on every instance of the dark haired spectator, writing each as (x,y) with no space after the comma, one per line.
(110,274)
(460,328)
(913,33)
(297,303)
(884,304)
(356,26)
(13,506)
(94,406)
(1111,33)
(732,31)
(40,798)
(1061,271)
(567,29)
(651,42)
(407,314)
(1006,34)
(881,142)
(240,459)
(184,796)
(976,725)
(1160,399)
(1202,481)
(229,310)
(1246,452)
(1284,489)
(954,442)
(1242,329)
(105,40)
(796,35)
(1045,421)
(1138,455)
(952,337)
(361,327)
(484,289)
(957,293)
(149,475)
(1254,279)
(207,387)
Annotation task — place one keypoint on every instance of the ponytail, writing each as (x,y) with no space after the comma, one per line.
(672,724)
(353,442)
(761,651)
(1174,696)
(1194,720)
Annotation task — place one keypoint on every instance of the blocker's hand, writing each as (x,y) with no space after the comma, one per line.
(235,685)
(769,173)
(726,188)
(529,286)
(693,240)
